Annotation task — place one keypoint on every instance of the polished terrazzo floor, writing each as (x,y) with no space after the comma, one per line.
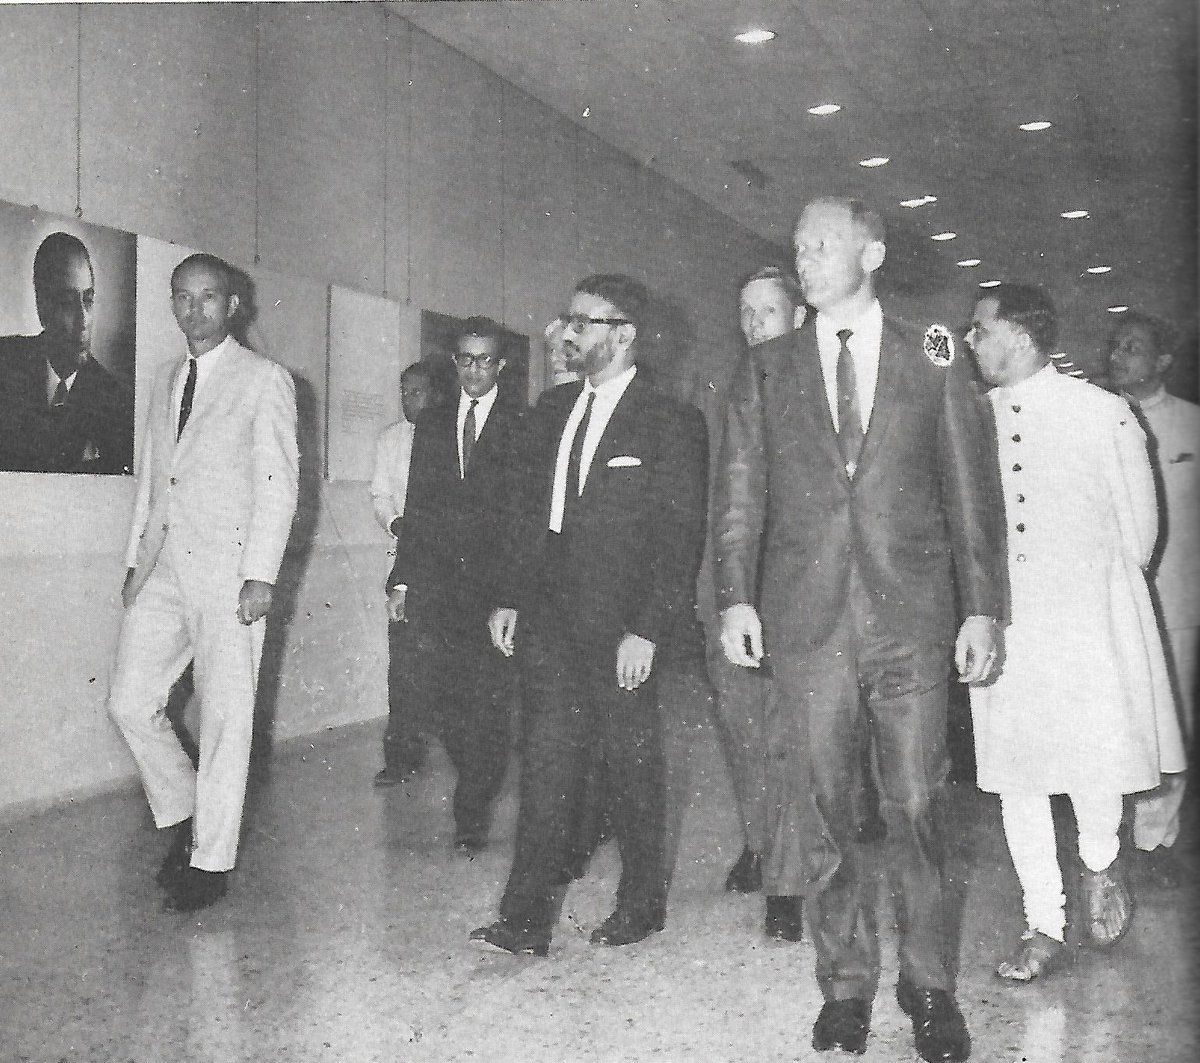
(344,938)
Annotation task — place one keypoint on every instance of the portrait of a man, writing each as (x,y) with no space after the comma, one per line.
(66,386)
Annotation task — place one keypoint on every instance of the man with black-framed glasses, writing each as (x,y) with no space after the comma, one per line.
(441,585)
(598,593)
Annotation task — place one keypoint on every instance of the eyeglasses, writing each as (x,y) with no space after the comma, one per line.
(478,361)
(579,322)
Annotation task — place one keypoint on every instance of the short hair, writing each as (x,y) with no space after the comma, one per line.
(861,214)
(628,296)
(422,369)
(1162,335)
(51,251)
(217,265)
(787,281)
(1031,309)
(481,326)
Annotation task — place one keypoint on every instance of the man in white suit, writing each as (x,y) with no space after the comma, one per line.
(217,482)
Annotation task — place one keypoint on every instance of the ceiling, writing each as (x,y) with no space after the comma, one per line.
(937,86)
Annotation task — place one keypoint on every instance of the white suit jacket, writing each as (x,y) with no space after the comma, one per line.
(224,495)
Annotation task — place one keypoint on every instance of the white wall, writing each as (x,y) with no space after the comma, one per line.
(311,145)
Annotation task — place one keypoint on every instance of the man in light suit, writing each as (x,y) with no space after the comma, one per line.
(600,570)
(441,587)
(859,465)
(217,483)
(60,409)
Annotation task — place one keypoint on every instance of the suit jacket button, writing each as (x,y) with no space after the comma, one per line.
(173,481)
(1020,557)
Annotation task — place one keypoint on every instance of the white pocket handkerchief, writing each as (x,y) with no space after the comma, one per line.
(624,462)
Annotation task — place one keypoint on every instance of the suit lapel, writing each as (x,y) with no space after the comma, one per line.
(807,391)
(887,392)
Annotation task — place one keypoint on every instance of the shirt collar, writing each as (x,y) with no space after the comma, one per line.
(613,389)
(1148,403)
(483,403)
(869,322)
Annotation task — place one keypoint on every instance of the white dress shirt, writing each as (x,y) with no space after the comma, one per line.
(607,395)
(482,409)
(53,380)
(389,481)
(864,350)
(204,367)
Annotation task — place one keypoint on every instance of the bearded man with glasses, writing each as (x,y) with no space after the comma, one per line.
(599,592)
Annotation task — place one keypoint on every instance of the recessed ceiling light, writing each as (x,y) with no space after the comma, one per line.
(1072,215)
(989,284)
(944,236)
(756,36)
(874,160)
(920,201)
(1099,269)
(825,108)
(1035,127)
(1118,309)
(967,263)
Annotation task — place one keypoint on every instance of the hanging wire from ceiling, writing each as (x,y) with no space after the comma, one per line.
(79,110)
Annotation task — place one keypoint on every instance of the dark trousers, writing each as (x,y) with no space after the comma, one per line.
(585,740)
(462,686)
(403,746)
(896,688)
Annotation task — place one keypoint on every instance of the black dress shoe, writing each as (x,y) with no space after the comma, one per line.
(843,1024)
(746,875)
(196,889)
(179,853)
(939,1030)
(783,920)
(623,929)
(502,937)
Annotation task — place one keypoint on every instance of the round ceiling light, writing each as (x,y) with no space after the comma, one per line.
(874,160)
(1074,215)
(947,235)
(1034,127)
(825,108)
(1120,308)
(755,36)
(1099,269)
(967,263)
(989,284)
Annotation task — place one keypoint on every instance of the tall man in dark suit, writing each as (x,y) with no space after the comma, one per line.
(859,463)
(441,588)
(601,570)
(60,409)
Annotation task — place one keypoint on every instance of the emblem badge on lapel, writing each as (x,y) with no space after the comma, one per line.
(939,345)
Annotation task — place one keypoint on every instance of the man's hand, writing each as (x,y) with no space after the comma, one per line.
(502,626)
(254,601)
(395,604)
(127,595)
(635,658)
(741,636)
(976,648)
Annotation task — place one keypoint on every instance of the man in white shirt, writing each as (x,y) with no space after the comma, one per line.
(403,750)
(1140,353)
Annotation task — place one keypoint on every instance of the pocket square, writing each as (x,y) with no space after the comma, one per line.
(624,461)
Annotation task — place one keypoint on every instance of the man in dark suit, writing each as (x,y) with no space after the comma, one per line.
(441,588)
(60,410)
(859,463)
(601,569)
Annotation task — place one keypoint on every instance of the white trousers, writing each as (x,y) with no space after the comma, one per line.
(1156,812)
(1029,831)
(167,626)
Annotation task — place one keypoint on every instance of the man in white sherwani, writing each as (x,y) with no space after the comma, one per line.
(1140,351)
(1082,704)
(216,494)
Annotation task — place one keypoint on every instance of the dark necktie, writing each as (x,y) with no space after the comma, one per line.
(576,458)
(189,392)
(60,395)
(468,439)
(850,432)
